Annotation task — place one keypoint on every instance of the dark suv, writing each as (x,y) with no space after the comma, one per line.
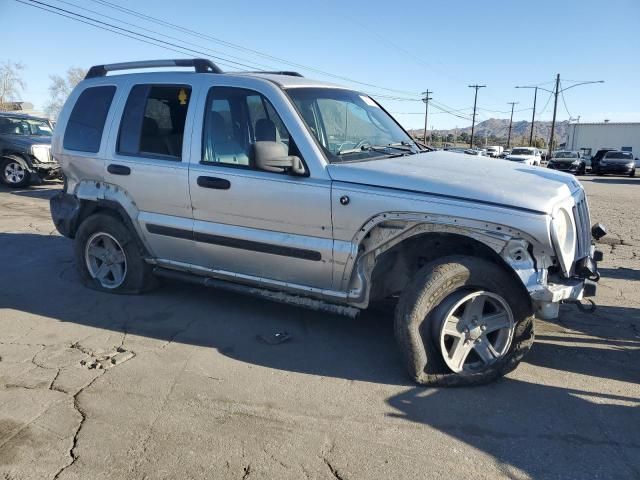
(25,150)
(617,162)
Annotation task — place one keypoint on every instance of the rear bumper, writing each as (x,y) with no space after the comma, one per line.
(65,211)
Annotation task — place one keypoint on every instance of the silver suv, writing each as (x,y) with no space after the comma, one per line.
(312,194)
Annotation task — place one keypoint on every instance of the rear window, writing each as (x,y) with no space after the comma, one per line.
(86,123)
(153,121)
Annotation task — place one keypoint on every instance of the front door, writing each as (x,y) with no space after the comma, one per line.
(271,225)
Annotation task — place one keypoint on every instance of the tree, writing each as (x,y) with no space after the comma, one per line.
(11,82)
(60,89)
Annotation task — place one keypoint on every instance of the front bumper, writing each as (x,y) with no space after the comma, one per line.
(620,169)
(547,298)
(564,167)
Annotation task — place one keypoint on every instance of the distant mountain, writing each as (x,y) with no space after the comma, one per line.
(499,128)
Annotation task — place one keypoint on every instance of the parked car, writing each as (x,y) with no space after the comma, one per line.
(568,161)
(618,162)
(25,150)
(526,155)
(473,151)
(595,159)
(232,181)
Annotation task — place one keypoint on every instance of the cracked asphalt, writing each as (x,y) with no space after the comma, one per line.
(175,384)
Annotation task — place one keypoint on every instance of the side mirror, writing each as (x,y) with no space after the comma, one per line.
(273,157)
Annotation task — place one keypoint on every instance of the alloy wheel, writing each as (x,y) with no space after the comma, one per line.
(14,173)
(106,260)
(476,330)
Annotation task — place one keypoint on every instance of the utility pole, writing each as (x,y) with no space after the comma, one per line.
(475,101)
(513,104)
(533,116)
(556,91)
(555,109)
(426,112)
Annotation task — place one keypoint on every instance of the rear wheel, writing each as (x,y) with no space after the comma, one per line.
(462,321)
(108,257)
(14,173)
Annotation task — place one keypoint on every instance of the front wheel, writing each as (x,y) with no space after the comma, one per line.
(13,173)
(462,321)
(632,173)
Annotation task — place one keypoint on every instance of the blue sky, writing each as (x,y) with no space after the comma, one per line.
(402,48)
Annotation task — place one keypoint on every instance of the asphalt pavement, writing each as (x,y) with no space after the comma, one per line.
(176,384)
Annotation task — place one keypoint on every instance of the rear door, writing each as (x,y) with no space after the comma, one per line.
(149,160)
(272,226)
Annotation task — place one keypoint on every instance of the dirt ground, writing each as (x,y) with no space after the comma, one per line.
(175,384)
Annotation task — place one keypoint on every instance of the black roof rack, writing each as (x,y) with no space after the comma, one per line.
(276,72)
(200,65)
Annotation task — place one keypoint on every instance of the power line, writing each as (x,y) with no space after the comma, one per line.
(565,103)
(211,38)
(268,67)
(170,44)
(104,28)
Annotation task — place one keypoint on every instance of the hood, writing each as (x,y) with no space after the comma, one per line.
(26,140)
(457,176)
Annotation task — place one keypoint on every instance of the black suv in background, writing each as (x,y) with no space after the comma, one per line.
(595,160)
(616,162)
(25,150)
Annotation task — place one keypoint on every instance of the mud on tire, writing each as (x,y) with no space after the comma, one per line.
(419,318)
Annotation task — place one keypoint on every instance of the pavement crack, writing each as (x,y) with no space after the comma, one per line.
(246,471)
(334,471)
(83,418)
(178,332)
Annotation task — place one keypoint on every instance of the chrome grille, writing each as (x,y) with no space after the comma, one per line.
(583,226)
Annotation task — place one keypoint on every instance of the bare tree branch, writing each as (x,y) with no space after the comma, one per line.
(11,82)
(60,88)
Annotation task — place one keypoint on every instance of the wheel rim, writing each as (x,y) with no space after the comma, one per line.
(476,331)
(14,172)
(105,260)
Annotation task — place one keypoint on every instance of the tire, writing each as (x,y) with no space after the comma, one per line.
(423,306)
(13,172)
(100,233)
(632,173)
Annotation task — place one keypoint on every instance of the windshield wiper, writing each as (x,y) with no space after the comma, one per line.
(402,146)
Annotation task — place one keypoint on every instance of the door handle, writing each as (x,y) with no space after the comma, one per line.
(214,182)
(118,169)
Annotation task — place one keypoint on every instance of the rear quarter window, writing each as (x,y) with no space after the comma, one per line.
(86,122)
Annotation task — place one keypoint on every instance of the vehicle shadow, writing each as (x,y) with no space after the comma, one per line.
(616,180)
(44,191)
(321,344)
(533,430)
(621,273)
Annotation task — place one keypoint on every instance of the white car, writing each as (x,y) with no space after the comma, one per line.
(526,155)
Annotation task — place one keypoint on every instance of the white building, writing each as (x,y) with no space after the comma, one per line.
(590,137)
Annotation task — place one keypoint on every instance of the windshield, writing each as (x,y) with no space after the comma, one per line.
(522,151)
(620,155)
(565,155)
(350,126)
(24,126)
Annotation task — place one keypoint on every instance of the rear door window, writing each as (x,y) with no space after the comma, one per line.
(86,122)
(153,121)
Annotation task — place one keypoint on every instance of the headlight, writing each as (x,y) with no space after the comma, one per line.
(42,153)
(563,234)
(576,162)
